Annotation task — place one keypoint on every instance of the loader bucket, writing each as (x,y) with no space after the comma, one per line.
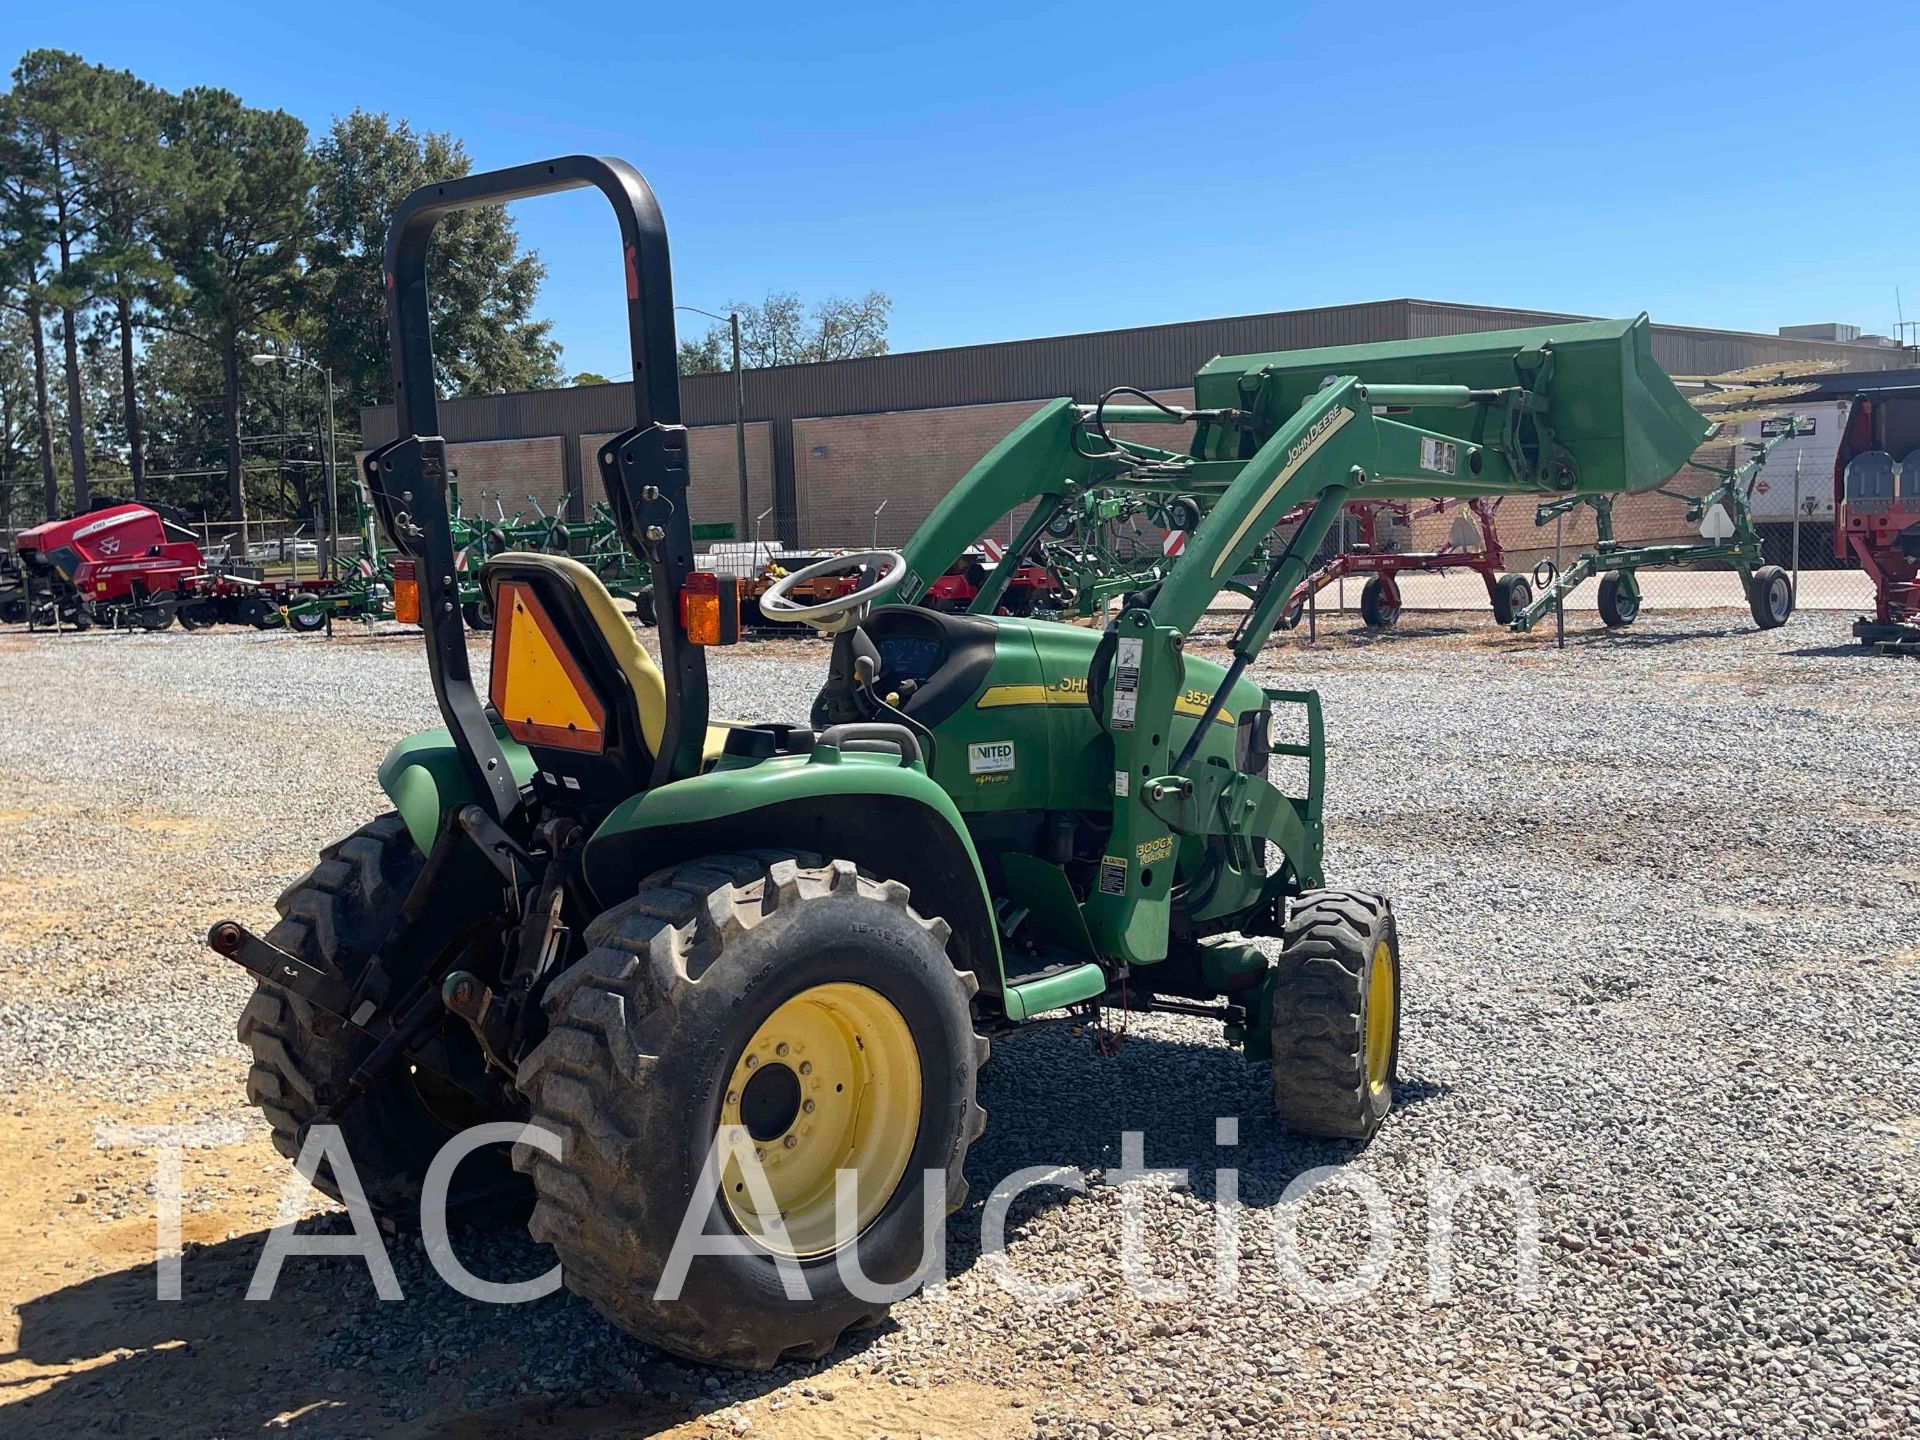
(1610,403)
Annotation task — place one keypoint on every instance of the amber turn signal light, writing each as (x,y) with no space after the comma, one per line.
(406,593)
(710,608)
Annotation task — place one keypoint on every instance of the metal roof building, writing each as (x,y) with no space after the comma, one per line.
(800,463)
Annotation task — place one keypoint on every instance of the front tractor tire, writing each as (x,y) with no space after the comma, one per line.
(1336,1015)
(802,1001)
(303,1057)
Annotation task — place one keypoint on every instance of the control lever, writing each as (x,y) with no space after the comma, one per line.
(866,670)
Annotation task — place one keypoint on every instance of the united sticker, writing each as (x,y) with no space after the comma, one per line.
(990,757)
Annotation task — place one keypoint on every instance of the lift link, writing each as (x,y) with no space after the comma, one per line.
(234,941)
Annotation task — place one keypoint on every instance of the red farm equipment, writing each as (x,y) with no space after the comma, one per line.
(1473,544)
(129,566)
(1876,492)
(124,564)
(1032,587)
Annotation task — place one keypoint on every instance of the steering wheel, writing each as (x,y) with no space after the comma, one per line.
(843,612)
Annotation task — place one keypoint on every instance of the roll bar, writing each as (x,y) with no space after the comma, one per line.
(643,469)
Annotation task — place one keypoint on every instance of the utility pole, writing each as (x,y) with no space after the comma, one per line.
(740,420)
(329,546)
(732,322)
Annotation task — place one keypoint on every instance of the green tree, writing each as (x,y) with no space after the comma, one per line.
(50,96)
(781,331)
(590,377)
(185,418)
(122,169)
(23,245)
(18,423)
(232,226)
(708,355)
(484,285)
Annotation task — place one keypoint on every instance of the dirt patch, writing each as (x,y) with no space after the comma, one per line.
(84,1338)
(856,1409)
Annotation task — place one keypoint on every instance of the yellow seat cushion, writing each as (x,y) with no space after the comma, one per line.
(640,668)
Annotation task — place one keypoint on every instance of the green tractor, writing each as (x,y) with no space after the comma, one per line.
(741,979)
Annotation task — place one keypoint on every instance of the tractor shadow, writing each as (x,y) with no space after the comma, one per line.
(1852,650)
(325,1357)
(1051,1100)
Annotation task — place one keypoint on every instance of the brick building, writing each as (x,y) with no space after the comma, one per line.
(828,444)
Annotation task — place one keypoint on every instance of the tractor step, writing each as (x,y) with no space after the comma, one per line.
(1052,988)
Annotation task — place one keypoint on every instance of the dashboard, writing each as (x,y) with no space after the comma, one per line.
(934,662)
(910,657)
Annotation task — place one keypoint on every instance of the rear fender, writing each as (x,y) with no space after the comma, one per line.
(425,779)
(888,818)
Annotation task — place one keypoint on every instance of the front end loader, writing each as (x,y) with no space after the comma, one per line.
(742,978)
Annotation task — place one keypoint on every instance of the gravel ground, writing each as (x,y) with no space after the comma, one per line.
(1659,895)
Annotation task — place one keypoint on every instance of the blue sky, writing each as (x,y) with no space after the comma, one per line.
(1015,170)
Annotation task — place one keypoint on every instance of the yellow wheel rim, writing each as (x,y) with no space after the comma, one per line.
(1380,1007)
(830,1082)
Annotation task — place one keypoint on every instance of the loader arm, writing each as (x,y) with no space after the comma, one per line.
(1037,462)
(1576,410)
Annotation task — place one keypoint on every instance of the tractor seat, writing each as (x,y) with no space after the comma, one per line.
(570,679)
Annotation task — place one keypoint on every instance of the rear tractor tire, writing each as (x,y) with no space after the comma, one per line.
(1512,594)
(1770,596)
(1380,603)
(1336,1015)
(1619,600)
(303,1057)
(800,1000)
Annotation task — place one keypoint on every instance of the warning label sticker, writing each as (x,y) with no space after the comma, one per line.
(1442,457)
(1113,875)
(1126,684)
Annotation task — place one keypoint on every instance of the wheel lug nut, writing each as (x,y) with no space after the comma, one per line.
(808,1107)
(806,1067)
(791,1141)
(753,1062)
(781,1048)
(733,1097)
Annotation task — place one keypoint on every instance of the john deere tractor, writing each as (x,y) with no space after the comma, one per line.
(720,965)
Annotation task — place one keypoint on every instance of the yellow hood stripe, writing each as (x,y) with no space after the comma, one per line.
(1001,697)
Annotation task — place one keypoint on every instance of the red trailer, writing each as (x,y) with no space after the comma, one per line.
(1474,544)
